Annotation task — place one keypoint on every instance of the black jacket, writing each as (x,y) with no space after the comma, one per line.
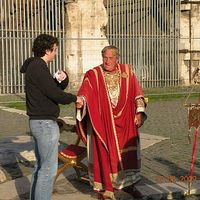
(43,94)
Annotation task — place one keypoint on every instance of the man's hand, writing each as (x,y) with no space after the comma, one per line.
(60,76)
(79,102)
(139,120)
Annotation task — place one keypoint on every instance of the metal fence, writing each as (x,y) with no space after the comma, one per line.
(21,21)
(146,31)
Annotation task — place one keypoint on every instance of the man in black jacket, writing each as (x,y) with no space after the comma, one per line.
(43,94)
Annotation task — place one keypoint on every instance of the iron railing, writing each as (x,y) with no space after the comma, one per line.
(146,32)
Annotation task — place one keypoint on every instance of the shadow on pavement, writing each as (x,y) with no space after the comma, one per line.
(14,164)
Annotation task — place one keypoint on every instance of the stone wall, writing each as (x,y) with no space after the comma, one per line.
(85,24)
(189,48)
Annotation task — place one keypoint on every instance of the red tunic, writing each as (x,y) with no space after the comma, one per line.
(115,141)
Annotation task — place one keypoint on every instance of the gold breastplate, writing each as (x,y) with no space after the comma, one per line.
(113,85)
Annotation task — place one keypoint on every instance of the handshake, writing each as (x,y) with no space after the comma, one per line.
(80,102)
(60,76)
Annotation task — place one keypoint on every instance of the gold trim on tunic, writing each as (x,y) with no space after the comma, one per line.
(113,84)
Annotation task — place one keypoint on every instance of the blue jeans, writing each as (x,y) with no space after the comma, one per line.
(46,135)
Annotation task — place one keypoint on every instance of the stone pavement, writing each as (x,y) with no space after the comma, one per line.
(165,157)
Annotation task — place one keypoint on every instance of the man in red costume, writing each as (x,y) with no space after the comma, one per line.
(108,120)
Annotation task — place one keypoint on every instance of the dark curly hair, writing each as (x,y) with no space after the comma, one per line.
(42,43)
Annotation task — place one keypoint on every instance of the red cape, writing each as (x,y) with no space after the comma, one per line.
(115,136)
